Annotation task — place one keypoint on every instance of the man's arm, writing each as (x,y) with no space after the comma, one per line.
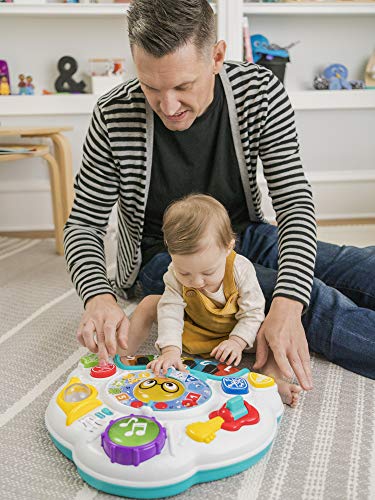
(96,192)
(292,201)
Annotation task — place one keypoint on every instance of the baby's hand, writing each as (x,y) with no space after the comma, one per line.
(229,351)
(169,357)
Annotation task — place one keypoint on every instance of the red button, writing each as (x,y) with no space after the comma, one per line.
(189,402)
(161,406)
(103,371)
(136,404)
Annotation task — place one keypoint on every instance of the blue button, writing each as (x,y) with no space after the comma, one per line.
(232,385)
(106,411)
(237,407)
(99,415)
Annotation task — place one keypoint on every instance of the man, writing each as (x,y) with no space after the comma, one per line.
(192,123)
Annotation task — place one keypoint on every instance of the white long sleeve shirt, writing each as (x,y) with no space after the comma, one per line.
(249,317)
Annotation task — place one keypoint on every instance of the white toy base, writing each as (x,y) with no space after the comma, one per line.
(134,434)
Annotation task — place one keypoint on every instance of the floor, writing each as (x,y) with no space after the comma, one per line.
(324,450)
(359,235)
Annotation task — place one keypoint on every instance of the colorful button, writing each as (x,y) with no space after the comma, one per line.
(133,439)
(260,381)
(136,404)
(89,360)
(236,406)
(224,370)
(232,385)
(103,371)
(161,406)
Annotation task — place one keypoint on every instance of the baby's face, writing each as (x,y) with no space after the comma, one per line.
(203,270)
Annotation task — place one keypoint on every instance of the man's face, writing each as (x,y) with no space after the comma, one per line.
(179,86)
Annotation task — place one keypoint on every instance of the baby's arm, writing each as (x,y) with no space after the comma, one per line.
(250,314)
(251,301)
(171,309)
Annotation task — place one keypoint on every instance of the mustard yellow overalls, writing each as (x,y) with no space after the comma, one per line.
(207,323)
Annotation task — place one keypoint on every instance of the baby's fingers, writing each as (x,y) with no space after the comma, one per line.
(233,357)
(166,365)
(180,366)
(214,350)
(150,365)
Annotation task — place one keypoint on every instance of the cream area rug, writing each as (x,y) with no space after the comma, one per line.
(325,449)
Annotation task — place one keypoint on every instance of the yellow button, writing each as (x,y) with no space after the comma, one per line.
(76,409)
(260,381)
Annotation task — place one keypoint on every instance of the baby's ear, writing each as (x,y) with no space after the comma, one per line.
(231,246)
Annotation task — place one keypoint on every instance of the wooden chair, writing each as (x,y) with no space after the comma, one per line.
(58,208)
(62,154)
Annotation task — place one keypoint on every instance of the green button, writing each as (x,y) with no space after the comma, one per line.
(133,431)
(90,360)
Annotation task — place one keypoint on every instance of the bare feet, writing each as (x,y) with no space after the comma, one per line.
(289,392)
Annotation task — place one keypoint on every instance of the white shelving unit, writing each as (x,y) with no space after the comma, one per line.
(335,128)
(63,9)
(312,8)
(55,105)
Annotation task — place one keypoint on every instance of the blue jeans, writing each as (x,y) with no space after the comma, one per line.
(340,321)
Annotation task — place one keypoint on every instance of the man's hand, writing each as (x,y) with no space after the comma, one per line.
(230,350)
(283,333)
(103,326)
(171,356)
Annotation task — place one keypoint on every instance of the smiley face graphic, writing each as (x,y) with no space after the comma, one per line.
(158,389)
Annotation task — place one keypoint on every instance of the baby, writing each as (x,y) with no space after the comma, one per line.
(212,305)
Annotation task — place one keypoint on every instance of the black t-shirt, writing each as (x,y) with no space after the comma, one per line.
(201,159)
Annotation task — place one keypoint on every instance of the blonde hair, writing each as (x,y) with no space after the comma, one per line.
(186,221)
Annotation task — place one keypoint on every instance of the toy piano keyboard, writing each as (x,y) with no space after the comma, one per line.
(132,433)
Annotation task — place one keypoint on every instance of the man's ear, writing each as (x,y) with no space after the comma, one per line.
(219,51)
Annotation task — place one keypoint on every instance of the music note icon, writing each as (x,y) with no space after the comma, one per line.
(140,432)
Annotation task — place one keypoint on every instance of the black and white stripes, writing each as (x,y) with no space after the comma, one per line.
(116,166)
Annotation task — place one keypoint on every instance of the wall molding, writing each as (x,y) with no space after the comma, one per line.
(26,205)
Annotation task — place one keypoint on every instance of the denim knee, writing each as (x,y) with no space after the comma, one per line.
(151,275)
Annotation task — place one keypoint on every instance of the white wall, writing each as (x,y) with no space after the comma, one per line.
(337,146)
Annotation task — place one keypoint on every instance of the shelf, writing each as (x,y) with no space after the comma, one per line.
(23,105)
(313,100)
(66,9)
(317,8)
(316,100)
(63,9)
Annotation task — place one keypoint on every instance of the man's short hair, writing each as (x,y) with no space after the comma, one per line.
(160,27)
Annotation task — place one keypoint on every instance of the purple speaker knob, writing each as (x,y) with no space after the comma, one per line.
(133,439)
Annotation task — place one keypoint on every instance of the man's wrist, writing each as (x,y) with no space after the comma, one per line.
(101,297)
(288,305)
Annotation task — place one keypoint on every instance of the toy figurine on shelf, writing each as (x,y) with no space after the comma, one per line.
(4,86)
(22,84)
(4,78)
(270,55)
(335,77)
(370,72)
(30,89)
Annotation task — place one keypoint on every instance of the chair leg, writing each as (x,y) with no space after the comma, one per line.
(63,155)
(57,204)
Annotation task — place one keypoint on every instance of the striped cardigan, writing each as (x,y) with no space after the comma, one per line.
(116,167)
